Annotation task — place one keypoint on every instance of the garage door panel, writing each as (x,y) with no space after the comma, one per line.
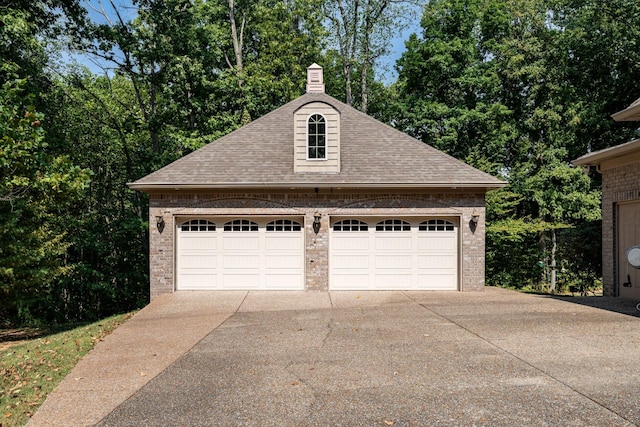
(393,262)
(394,253)
(199,242)
(351,243)
(437,261)
(284,243)
(243,280)
(291,261)
(393,281)
(628,236)
(282,281)
(197,281)
(438,243)
(241,262)
(198,262)
(350,262)
(240,242)
(393,243)
(351,281)
(240,254)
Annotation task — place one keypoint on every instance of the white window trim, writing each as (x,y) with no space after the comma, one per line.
(326,138)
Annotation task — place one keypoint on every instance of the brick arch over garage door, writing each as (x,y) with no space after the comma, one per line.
(394,253)
(240,253)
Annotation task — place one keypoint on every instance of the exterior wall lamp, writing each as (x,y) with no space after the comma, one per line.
(473,224)
(475,216)
(160,223)
(316,222)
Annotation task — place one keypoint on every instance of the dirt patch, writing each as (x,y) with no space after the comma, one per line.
(13,337)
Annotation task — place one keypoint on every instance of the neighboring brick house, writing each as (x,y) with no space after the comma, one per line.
(317,195)
(620,169)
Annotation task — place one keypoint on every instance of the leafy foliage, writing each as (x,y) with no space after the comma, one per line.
(503,85)
(37,187)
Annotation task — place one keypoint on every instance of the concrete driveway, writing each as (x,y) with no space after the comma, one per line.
(497,358)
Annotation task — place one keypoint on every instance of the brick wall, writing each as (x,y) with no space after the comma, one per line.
(619,184)
(328,204)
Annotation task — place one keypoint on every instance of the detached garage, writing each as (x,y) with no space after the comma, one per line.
(316,196)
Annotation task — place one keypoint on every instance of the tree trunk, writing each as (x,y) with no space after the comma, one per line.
(542,245)
(554,246)
(346,71)
(237,41)
(364,96)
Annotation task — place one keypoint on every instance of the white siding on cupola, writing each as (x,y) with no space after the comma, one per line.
(315,79)
(302,163)
(330,164)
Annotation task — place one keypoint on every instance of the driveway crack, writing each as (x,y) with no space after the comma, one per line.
(524,361)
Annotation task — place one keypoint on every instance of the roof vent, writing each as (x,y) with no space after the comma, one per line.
(315,81)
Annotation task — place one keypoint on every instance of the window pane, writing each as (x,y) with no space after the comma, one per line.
(437,225)
(198,225)
(316,137)
(321,153)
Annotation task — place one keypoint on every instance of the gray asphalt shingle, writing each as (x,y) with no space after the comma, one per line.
(260,154)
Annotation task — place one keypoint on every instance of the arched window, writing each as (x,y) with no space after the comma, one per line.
(198,225)
(241,225)
(284,225)
(350,225)
(436,225)
(316,137)
(393,225)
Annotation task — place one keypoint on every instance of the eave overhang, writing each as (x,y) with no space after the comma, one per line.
(630,114)
(147,187)
(598,157)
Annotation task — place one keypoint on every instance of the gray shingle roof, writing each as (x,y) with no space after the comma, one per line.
(373,154)
(629,114)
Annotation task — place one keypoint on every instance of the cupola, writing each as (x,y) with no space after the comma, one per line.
(315,79)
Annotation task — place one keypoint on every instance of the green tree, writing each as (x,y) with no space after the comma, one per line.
(109,248)
(39,182)
(37,187)
(450,91)
(487,82)
(360,31)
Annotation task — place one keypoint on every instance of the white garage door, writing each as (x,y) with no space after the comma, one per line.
(386,254)
(242,254)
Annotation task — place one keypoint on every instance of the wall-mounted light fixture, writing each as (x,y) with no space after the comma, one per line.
(160,223)
(316,222)
(475,216)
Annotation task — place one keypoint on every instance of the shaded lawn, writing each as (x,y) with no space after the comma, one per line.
(30,370)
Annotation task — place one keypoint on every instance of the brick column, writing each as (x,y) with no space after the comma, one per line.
(317,252)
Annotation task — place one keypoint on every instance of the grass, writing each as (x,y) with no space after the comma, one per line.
(31,370)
